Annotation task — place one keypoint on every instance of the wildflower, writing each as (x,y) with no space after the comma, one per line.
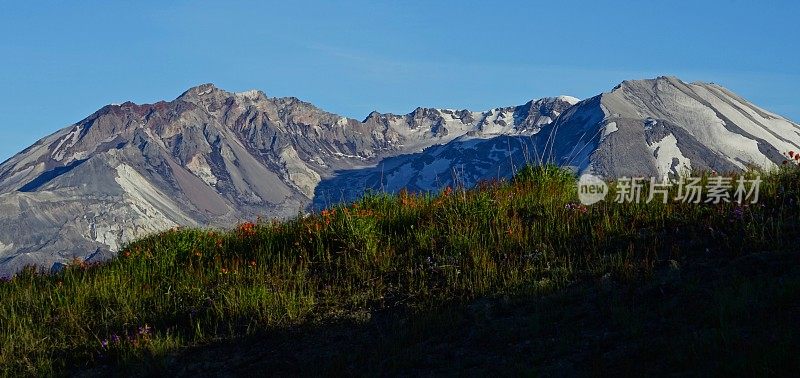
(406,199)
(115,339)
(247,229)
(252,263)
(127,253)
(738,212)
(581,208)
(145,330)
(224,270)
(104,344)
(791,154)
(447,191)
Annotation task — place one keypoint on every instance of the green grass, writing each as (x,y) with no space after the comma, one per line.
(504,264)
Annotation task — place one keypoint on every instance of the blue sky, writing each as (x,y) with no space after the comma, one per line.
(61,61)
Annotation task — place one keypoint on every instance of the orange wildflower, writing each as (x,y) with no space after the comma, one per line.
(406,199)
(247,229)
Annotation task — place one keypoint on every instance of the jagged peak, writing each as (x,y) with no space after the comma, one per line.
(568,99)
(372,115)
(252,94)
(199,90)
(550,100)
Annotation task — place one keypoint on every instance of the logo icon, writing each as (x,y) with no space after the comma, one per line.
(591,189)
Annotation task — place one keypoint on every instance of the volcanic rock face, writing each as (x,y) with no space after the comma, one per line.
(214,158)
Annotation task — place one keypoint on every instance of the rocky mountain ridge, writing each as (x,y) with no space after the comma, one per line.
(214,158)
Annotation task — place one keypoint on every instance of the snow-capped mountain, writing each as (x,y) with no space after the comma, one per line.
(213,158)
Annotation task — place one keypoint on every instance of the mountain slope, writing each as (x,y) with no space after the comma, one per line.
(214,158)
(691,126)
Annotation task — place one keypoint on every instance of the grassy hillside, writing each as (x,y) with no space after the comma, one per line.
(510,276)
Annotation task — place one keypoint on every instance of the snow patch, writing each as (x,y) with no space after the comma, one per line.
(498,121)
(339,154)
(609,129)
(571,100)
(665,152)
(546,120)
(207,91)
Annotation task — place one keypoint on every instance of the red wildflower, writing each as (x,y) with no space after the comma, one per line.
(447,191)
(247,229)
(791,154)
